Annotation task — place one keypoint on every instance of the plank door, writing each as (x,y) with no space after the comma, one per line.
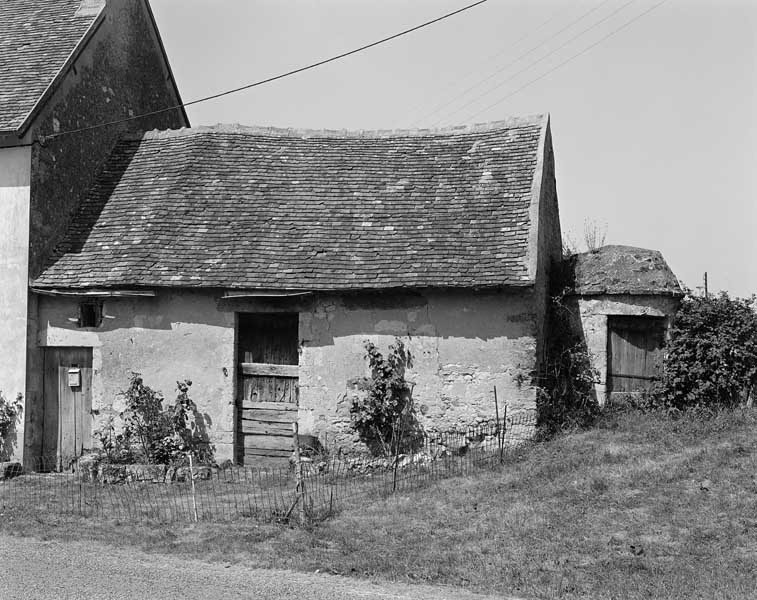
(268,387)
(67,406)
(634,353)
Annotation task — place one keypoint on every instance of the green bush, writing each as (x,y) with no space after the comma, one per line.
(160,436)
(9,413)
(383,416)
(711,358)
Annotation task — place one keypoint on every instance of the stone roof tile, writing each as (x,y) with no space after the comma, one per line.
(36,39)
(266,208)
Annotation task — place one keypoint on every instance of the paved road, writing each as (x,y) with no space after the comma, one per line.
(33,569)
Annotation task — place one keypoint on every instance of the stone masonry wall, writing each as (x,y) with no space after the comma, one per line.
(167,338)
(462,344)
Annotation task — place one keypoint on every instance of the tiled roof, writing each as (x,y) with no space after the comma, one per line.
(36,39)
(256,208)
(622,270)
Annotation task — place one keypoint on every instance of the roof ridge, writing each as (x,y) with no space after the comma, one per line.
(295,132)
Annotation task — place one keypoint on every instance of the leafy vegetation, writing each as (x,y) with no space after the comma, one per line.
(712,355)
(9,413)
(643,505)
(566,398)
(155,434)
(382,414)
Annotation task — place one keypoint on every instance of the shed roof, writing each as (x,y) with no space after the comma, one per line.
(36,39)
(622,270)
(264,208)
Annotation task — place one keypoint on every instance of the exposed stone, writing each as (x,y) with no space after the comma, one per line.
(110,473)
(153,473)
(87,466)
(182,474)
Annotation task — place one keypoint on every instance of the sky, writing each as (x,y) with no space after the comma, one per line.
(654,128)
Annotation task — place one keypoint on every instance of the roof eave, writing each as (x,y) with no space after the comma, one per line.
(130,289)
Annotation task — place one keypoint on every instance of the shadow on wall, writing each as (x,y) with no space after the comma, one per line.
(463,314)
(567,394)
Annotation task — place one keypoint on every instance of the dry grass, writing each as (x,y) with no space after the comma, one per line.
(641,506)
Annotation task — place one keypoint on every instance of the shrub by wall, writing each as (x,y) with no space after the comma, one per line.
(711,359)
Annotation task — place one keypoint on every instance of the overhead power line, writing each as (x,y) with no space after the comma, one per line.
(275,77)
(541,58)
(455,81)
(512,62)
(569,59)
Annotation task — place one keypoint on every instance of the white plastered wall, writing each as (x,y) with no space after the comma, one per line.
(15,166)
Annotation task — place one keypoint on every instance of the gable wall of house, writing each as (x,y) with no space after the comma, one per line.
(462,345)
(120,72)
(549,246)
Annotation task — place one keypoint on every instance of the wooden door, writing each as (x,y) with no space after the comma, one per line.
(634,353)
(67,406)
(268,390)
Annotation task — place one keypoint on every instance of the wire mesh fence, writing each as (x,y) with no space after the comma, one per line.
(318,487)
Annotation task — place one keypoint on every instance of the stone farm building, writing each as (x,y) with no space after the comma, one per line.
(623,300)
(255,262)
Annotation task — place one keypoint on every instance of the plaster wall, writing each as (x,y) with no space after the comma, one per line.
(15,166)
(591,316)
(462,345)
(166,338)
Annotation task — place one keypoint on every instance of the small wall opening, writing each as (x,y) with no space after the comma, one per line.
(90,313)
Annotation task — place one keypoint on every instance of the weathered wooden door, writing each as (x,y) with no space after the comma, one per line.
(634,353)
(67,406)
(268,390)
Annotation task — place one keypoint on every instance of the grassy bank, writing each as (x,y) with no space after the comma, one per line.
(641,506)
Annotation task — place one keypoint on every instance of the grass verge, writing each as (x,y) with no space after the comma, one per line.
(641,506)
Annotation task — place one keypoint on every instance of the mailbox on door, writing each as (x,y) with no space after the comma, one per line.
(74,377)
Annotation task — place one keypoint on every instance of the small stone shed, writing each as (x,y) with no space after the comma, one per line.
(257,261)
(622,300)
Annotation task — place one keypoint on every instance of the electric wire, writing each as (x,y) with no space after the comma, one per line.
(538,60)
(570,59)
(455,81)
(509,64)
(271,79)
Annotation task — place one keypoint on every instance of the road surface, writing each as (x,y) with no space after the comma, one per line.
(34,569)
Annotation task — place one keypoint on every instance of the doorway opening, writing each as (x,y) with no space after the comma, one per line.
(267,397)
